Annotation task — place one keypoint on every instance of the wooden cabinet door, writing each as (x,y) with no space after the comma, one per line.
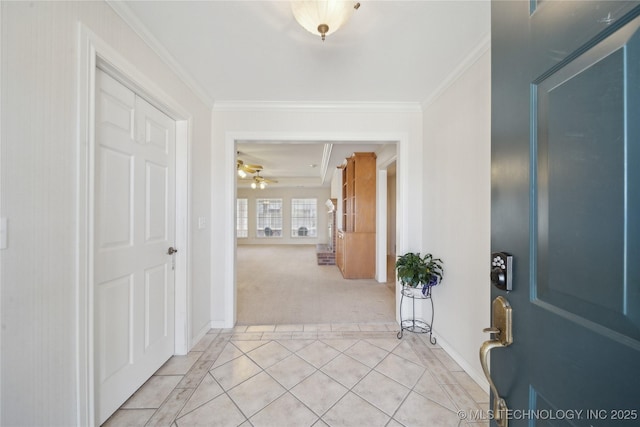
(340,251)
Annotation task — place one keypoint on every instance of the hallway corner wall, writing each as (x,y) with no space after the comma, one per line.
(457,202)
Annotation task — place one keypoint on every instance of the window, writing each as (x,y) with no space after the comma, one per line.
(304,217)
(269,216)
(242,218)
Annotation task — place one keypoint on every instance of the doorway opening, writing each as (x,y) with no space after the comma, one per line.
(277,277)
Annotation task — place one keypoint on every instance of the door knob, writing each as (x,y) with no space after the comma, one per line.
(501,330)
(172,251)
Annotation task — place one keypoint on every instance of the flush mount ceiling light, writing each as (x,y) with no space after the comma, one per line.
(323,17)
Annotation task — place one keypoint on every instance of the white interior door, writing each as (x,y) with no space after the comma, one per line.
(134,227)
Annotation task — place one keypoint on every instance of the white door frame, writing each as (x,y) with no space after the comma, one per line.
(381,219)
(381,225)
(400,139)
(94,52)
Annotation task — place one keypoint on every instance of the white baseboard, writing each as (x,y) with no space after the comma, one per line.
(477,376)
(219,324)
(201,333)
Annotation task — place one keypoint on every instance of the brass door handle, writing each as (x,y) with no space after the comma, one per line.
(502,331)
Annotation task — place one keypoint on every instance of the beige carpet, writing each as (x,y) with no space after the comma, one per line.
(282,284)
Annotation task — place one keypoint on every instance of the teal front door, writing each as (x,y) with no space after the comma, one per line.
(566,205)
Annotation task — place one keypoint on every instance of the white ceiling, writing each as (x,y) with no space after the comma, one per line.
(299,165)
(246,51)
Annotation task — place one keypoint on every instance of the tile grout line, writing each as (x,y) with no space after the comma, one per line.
(287,390)
(350,390)
(372,369)
(215,340)
(224,391)
(454,401)
(224,337)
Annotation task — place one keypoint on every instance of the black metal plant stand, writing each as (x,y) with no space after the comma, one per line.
(412,324)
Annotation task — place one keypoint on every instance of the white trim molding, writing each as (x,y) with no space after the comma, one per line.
(123,10)
(483,46)
(401,139)
(317,107)
(381,225)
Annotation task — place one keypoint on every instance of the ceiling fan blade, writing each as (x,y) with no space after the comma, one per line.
(247,169)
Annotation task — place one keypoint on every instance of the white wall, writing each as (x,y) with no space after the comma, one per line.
(286,194)
(39,169)
(280,122)
(457,202)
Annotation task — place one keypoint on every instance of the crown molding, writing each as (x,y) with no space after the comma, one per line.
(326,157)
(122,9)
(481,48)
(317,107)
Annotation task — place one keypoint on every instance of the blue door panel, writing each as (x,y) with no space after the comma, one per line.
(566,204)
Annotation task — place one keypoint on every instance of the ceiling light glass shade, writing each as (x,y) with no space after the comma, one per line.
(322,17)
(242,173)
(262,185)
(253,185)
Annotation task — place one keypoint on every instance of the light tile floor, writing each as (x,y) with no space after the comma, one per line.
(308,375)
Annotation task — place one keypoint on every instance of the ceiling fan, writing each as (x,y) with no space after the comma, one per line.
(244,169)
(260,181)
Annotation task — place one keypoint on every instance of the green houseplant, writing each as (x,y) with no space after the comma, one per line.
(415,270)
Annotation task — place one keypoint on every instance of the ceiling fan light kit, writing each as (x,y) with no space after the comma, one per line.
(323,17)
(258,181)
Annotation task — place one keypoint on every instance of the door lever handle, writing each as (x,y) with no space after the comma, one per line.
(503,337)
(500,406)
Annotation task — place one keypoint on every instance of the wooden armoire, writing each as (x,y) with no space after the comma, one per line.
(356,242)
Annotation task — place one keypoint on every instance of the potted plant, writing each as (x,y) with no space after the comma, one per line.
(416,271)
